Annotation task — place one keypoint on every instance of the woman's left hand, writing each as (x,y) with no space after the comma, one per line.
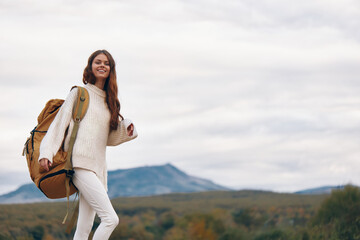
(130,130)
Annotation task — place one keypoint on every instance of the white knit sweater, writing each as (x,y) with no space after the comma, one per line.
(93,135)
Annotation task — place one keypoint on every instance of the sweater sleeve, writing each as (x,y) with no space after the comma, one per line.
(54,137)
(119,135)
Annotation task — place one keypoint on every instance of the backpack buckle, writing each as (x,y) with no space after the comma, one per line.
(69,173)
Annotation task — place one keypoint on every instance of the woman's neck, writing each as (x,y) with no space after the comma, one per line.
(100,83)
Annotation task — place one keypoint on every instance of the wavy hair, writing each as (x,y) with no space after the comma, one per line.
(110,87)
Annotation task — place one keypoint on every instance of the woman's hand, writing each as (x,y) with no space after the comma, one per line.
(45,163)
(130,130)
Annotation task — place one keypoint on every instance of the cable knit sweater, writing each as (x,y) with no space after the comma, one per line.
(93,135)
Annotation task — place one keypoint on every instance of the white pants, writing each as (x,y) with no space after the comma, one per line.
(93,200)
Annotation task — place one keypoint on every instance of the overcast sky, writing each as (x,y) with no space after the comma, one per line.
(249,94)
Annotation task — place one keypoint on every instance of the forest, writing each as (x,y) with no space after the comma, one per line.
(219,215)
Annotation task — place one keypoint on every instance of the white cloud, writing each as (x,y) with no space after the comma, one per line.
(249,94)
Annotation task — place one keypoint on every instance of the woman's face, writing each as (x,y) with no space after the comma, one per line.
(101,67)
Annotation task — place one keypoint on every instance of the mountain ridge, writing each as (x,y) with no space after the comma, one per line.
(320,190)
(132,182)
(145,181)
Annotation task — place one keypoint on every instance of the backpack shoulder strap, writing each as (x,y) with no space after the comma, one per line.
(80,108)
(81,104)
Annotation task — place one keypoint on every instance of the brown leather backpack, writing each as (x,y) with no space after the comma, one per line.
(56,183)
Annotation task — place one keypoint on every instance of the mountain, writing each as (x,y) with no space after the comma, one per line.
(319,190)
(155,180)
(141,181)
(26,193)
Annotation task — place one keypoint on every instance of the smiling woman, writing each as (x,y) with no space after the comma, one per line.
(100,127)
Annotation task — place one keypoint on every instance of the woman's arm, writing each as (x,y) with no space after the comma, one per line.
(54,137)
(125,132)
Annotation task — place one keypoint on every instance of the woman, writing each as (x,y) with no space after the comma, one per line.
(99,128)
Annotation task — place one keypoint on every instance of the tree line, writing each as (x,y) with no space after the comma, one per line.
(244,215)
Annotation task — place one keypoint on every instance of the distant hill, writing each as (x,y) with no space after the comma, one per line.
(155,180)
(26,193)
(319,190)
(141,181)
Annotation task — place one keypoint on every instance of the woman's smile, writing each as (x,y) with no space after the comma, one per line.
(101,67)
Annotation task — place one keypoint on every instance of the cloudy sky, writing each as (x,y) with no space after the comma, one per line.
(249,94)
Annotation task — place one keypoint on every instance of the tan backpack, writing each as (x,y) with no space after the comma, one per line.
(56,183)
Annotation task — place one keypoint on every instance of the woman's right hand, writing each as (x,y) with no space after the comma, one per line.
(45,163)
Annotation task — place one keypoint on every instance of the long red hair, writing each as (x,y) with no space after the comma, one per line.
(110,87)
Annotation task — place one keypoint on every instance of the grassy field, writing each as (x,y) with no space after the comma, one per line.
(207,215)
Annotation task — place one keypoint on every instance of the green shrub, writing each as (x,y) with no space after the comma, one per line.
(273,235)
(231,234)
(340,214)
(247,218)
